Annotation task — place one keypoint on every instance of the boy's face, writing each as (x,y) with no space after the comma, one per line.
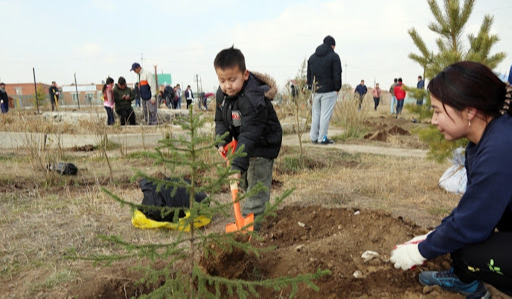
(231,80)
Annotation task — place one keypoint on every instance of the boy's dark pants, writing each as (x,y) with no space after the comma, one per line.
(260,170)
(126,115)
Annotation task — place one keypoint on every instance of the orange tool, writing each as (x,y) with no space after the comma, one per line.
(244,224)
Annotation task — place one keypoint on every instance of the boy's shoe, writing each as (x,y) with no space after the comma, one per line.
(450,282)
(314,141)
(326,141)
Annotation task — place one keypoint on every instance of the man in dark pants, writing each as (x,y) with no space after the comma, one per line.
(4,99)
(123,97)
(54,95)
(420,85)
(361,90)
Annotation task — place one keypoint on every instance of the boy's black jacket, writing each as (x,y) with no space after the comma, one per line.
(250,118)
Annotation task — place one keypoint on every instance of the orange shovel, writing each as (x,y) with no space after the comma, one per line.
(244,224)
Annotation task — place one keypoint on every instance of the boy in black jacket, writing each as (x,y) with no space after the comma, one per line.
(245,111)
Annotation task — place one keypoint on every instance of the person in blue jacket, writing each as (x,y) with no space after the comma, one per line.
(470,101)
(510,76)
(361,90)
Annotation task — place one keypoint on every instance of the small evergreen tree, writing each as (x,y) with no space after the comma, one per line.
(192,282)
(40,97)
(449,25)
(300,102)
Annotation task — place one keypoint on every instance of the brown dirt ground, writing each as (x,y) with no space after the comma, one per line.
(306,238)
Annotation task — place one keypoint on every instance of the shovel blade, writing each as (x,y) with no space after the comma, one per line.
(247,225)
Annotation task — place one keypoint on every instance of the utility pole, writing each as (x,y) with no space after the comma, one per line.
(156,81)
(346,72)
(35,89)
(77,97)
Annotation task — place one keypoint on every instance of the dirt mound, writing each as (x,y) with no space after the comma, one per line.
(382,134)
(313,237)
(305,239)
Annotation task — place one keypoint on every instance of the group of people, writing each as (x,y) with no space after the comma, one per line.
(118,97)
(468,101)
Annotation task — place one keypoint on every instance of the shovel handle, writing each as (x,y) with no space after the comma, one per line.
(239,219)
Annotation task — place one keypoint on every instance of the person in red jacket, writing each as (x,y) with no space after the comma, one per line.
(400,96)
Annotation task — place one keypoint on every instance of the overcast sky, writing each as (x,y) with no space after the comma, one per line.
(100,38)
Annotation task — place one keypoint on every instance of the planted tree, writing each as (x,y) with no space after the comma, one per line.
(40,97)
(182,276)
(449,25)
(299,103)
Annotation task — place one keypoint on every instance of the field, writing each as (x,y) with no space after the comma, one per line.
(357,195)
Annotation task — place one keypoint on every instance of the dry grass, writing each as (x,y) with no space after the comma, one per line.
(403,186)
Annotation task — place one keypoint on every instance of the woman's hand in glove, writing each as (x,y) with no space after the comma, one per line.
(406,256)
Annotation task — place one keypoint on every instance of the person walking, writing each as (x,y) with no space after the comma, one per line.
(393,97)
(189,96)
(324,75)
(361,91)
(420,85)
(376,95)
(400,97)
(4,98)
(470,101)
(148,94)
(54,95)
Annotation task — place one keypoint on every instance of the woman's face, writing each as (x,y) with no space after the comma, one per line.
(453,124)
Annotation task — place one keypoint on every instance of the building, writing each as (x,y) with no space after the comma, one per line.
(22,95)
(87,94)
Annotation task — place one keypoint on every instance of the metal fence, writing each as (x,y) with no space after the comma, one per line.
(28,101)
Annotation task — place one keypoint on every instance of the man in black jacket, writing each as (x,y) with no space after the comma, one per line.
(4,98)
(54,95)
(324,76)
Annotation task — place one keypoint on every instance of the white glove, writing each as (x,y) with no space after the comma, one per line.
(406,256)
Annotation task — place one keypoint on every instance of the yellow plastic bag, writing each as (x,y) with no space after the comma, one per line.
(140,220)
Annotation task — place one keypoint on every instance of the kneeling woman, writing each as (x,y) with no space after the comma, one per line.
(469,101)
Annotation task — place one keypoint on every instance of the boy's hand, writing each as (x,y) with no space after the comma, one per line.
(221,151)
(235,176)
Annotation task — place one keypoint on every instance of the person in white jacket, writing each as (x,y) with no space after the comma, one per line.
(148,94)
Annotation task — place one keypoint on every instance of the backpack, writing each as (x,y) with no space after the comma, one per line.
(64,168)
(164,198)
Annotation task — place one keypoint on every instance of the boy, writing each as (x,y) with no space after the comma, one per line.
(245,111)
(123,97)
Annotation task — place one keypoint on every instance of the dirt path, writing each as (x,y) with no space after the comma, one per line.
(292,140)
(14,140)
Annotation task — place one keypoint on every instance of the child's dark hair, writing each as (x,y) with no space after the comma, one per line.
(109,81)
(121,81)
(470,84)
(230,58)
